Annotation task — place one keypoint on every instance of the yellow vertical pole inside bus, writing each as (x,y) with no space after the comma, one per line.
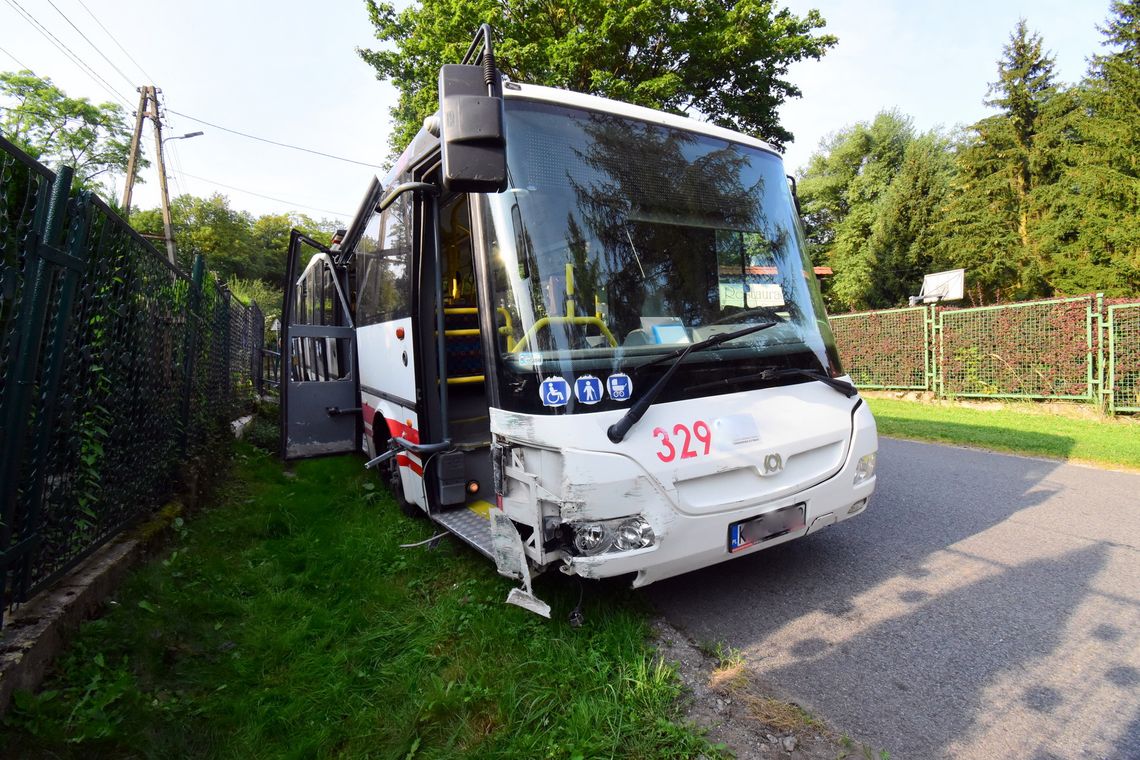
(569,290)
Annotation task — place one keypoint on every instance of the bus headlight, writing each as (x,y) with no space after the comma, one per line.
(865,468)
(633,534)
(622,535)
(592,538)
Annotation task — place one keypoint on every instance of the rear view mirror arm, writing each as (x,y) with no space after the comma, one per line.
(398,190)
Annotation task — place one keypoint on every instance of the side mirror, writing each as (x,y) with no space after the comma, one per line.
(795,194)
(472,141)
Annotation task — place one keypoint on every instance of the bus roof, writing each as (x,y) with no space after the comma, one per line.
(520,91)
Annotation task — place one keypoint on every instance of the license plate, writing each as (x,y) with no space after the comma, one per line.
(765,527)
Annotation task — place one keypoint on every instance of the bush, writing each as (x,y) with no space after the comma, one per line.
(264,430)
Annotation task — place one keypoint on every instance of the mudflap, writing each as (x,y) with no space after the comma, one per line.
(510,560)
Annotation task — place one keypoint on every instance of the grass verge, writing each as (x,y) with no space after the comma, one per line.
(287,622)
(1027,430)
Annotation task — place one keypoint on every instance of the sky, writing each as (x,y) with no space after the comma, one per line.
(287,70)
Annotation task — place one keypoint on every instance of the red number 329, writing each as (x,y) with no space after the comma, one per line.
(669,452)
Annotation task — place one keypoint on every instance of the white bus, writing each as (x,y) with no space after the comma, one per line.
(579,334)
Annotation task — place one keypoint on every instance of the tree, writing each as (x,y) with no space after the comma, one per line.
(842,192)
(904,236)
(55,129)
(1098,234)
(211,228)
(1003,173)
(267,297)
(234,243)
(724,60)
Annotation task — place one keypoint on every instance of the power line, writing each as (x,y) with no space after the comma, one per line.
(108,33)
(17,60)
(266,197)
(89,42)
(274,142)
(63,48)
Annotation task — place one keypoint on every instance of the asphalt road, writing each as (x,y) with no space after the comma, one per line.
(985,606)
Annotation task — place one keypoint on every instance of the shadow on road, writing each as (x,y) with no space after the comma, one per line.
(914,624)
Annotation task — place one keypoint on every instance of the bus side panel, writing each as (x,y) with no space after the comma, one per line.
(380,413)
(388,393)
(385,360)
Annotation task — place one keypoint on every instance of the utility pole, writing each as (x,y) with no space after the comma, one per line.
(148,109)
(167,225)
(132,161)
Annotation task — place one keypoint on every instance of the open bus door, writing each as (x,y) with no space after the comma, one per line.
(320,393)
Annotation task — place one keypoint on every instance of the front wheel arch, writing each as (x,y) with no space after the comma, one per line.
(391,471)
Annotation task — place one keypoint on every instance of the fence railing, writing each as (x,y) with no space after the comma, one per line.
(115,366)
(1059,348)
(885,349)
(1122,374)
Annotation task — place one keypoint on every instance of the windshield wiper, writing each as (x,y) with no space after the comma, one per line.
(842,386)
(618,430)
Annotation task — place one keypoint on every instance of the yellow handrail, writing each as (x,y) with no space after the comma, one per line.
(465,380)
(545,321)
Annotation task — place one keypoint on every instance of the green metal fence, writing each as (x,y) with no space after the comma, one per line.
(1037,349)
(1060,348)
(1123,371)
(115,366)
(885,349)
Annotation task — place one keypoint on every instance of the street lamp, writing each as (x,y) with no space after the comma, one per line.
(185,136)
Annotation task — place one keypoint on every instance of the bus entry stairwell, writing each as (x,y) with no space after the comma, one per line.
(471,523)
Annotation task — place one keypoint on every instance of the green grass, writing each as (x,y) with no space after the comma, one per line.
(1024,429)
(286,622)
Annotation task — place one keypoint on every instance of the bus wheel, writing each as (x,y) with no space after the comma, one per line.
(396,487)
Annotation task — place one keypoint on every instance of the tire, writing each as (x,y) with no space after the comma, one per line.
(392,478)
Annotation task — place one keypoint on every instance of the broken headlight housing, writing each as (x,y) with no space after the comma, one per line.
(621,535)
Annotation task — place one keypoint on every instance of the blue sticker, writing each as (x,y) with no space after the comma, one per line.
(588,389)
(554,391)
(620,386)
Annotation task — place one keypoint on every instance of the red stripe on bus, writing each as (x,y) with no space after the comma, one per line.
(395,427)
(405,461)
(400,430)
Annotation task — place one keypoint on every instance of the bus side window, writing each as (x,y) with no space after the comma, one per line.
(384,255)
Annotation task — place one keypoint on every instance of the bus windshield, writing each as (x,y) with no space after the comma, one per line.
(619,241)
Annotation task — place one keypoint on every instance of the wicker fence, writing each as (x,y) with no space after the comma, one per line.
(1061,348)
(115,366)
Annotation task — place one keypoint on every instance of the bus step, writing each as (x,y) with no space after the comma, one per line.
(469,524)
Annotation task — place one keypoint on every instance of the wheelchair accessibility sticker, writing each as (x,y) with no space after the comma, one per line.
(554,391)
(588,389)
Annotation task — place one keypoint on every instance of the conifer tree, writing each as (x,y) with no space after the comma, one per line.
(1102,181)
(904,238)
(994,207)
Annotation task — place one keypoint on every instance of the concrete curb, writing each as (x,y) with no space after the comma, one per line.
(39,630)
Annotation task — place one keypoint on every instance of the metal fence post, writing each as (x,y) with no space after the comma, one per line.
(1101,327)
(33,325)
(72,264)
(226,319)
(193,307)
(928,347)
(256,344)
